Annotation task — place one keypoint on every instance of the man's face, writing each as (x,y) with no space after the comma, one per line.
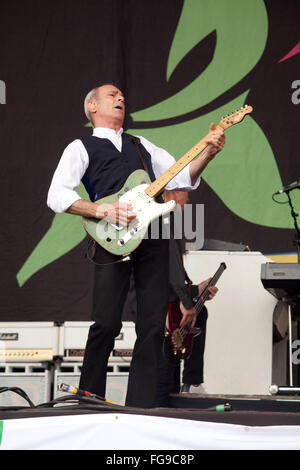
(110,104)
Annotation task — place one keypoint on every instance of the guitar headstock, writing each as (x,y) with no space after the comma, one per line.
(236,117)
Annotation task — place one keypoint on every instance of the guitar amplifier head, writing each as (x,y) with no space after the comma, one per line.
(281,279)
(220,245)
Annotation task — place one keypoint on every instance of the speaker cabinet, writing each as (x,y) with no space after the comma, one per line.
(34,379)
(116,384)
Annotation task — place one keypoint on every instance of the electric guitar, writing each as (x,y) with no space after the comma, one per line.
(141,193)
(182,337)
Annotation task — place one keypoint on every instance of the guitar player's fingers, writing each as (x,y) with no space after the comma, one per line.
(193,322)
(212,289)
(212,292)
(187,320)
(124,213)
(116,213)
(216,139)
(188,316)
(203,285)
(107,212)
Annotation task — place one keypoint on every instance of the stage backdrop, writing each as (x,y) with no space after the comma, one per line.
(181,65)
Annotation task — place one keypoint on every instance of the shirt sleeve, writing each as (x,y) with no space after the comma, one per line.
(162,161)
(67,177)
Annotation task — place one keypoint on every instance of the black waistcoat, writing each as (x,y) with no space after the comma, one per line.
(108,168)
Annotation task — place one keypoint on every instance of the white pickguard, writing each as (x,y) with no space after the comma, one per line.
(145,208)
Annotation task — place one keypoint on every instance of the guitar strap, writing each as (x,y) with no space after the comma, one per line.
(137,143)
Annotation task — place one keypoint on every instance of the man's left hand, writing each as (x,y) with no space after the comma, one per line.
(215,141)
(212,289)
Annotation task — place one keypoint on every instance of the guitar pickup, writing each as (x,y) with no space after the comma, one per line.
(177,339)
(131,233)
(117,227)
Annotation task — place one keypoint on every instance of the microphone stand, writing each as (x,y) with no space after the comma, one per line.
(292,304)
(290,300)
(297,234)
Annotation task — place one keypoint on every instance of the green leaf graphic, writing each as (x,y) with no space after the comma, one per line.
(242,29)
(1,430)
(65,233)
(244,175)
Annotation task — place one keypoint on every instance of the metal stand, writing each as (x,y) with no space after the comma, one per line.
(276,390)
(291,302)
(290,347)
(297,231)
(297,243)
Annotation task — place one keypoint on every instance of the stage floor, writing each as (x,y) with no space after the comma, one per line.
(242,410)
(187,422)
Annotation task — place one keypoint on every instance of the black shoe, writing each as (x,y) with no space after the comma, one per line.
(185,388)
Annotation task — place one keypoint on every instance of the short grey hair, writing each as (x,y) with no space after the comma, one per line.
(92,95)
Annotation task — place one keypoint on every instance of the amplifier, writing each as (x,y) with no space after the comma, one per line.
(281,279)
(116,383)
(28,341)
(34,379)
(73,336)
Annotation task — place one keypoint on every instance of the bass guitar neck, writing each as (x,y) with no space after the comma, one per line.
(182,337)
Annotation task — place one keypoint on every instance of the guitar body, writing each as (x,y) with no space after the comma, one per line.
(123,240)
(181,338)
(181,344)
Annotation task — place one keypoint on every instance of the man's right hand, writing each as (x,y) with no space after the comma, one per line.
(189,316)
(118,213)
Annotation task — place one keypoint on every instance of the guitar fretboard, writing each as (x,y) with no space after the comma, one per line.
(155,188)
(205,294)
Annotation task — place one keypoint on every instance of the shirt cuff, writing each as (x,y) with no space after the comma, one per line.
(61,204)
(183,181)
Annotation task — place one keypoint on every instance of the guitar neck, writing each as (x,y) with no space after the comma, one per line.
(205,294)
(155,188)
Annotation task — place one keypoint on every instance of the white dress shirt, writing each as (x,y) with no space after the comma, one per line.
(75,160)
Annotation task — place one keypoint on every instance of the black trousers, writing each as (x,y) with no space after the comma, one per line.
(150,267)
(193,366)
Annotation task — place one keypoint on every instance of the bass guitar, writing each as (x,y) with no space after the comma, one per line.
(182,337)
(141,193)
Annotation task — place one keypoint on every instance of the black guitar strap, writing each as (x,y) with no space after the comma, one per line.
(137,143)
